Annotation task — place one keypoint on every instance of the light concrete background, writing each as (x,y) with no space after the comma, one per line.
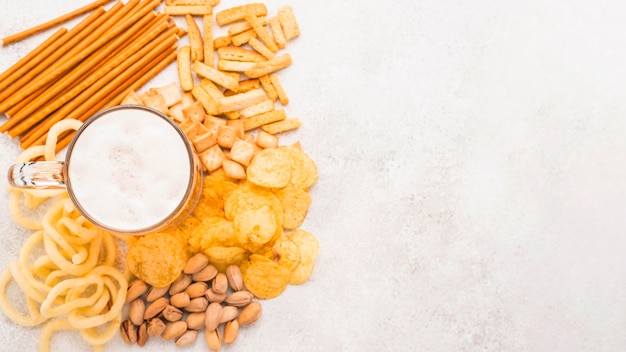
(472,190)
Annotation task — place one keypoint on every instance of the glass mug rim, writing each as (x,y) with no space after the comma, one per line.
(177,214)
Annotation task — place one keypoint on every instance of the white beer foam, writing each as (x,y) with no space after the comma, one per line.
(129,169)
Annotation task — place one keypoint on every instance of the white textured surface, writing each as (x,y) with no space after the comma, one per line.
(472,191)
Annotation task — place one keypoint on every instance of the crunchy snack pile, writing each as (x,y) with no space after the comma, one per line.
(236,97)
(244,241)
(254,198)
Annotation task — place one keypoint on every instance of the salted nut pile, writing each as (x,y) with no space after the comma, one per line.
(200,298)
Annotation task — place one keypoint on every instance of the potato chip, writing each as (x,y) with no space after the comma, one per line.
(296,203)
(301,273)
(264,278)
(222,257)
(210,232)
(303,169)
(255,227)
(214,190)
(157,258)
(184,230)
(270,168)
(286,253)
(309,247)
(249,196)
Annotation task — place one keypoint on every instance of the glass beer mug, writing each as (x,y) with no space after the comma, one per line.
(128,169)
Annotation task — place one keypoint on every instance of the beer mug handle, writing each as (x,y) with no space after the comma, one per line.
(37,174)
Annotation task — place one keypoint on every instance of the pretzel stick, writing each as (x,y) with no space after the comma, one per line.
(26,73)
(15,108)
(52,23)
(78,74)
(30,139)
(95,92)
(90,86)
(155,21)
(34,73)
(74,59)
(8,76)
(71,55)
(133,83)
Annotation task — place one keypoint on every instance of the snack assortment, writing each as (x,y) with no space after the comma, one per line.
(244,241)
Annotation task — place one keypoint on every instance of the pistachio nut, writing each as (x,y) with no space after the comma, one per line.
(180,284)
(195,321)
(206,274)
(213,339)
(214,297)
(129,332)
(197,289)
(197,305)
(220,283)
(142,334)
(235,279)
(239,298)
(171,313)
(186,339)
(213,316)
(174,330)
(231,329)
(229,313)
(136,311)
(180,300)
(155,308)
(196,263)
(250,314)
(135,290)
(155,327)
(157,292)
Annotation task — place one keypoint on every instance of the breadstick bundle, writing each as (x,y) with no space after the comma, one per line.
(77,72)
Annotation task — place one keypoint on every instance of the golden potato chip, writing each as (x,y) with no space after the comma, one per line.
(270,168)
(214,190)
(248,197)
(210,232)
(157,258)
(303,169)
(184,230)
(286,253)
(255,227)
(244,266)
(301,273)
(265,278)
(309,247)
(296,203)
(222,257)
